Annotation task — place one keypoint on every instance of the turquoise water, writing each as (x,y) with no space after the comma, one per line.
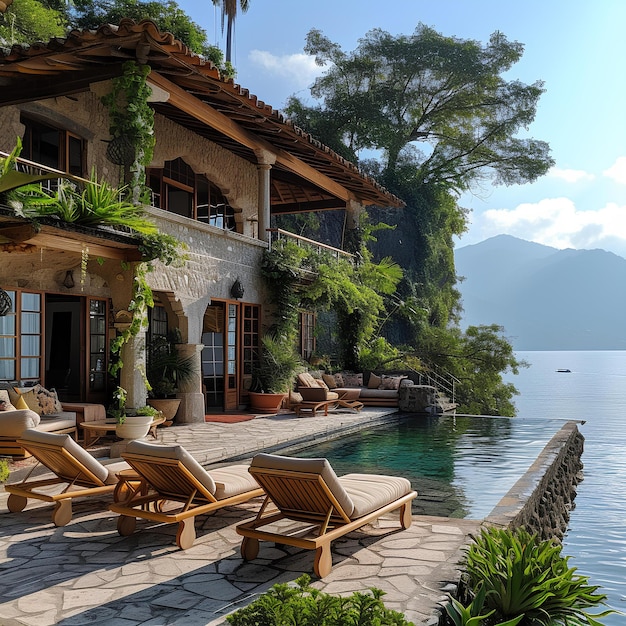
(460,466)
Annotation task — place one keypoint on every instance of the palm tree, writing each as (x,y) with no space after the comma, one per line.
(229,11)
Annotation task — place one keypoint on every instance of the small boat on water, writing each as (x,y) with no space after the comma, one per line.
(563,370)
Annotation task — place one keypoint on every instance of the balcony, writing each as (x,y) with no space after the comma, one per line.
(277,234)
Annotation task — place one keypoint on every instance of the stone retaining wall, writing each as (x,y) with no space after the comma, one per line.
(542,498)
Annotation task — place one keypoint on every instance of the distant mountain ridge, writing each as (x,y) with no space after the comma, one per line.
(545,298)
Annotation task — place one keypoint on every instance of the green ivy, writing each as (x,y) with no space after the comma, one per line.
(298,277)
(132,120)
(305,606)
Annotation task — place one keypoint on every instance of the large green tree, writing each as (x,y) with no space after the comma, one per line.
(433,117)
(28,21)
(440,102)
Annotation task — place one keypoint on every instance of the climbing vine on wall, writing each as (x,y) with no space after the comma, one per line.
(131,126)
(298,277)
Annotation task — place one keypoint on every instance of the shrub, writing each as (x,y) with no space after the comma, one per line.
(4,470)
(305,606)
(514,578)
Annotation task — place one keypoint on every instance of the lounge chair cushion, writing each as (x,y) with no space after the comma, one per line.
(313,466)
(14,423)
(54,423)
(317,394)
(370,492)
(232,480)
(174,452)
(65,441)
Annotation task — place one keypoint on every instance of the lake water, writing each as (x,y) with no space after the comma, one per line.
(594,391)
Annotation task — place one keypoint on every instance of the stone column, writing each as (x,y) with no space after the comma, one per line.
(265,161)
(133,374)
(190,393)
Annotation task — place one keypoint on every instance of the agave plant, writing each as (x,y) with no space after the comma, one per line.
(93,203)
(522,576)
(18,188)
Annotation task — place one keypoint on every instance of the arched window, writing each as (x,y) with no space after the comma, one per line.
(178,189)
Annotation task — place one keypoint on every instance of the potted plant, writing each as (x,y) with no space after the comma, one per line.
(274,373)
(166,370)
(131,423)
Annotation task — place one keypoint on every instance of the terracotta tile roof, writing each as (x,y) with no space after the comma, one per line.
(67,65)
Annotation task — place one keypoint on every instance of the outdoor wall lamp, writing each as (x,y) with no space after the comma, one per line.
(69,279)
(5,303)
(237,290)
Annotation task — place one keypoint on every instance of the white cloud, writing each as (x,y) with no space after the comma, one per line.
(570,176)
(299,68)
(558,223)
(617,171)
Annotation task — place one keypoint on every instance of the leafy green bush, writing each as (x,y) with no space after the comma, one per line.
(302,605)
(4,470)
(514,578)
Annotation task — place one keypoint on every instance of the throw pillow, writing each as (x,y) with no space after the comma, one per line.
(374,381)
(42,400)
(32,402)
(391,382)
(352,380)
(5,402)
(330,381)
(20,405)
(321,383)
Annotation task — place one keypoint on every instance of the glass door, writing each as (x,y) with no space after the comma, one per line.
(231,399)
(220,356)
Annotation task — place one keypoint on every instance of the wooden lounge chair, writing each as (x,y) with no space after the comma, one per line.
(319,399)
(175,488)
(75,474)
(309,491)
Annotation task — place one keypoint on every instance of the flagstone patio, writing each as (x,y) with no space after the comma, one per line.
(86,573)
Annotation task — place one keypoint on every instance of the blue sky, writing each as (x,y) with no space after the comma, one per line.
(577,47)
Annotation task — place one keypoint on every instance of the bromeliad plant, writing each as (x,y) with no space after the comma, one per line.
(514,578)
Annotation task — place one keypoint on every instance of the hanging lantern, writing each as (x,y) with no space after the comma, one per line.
(5,303)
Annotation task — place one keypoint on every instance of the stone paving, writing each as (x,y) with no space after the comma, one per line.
(85,573)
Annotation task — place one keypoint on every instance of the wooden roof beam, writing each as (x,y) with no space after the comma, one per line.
(182,100)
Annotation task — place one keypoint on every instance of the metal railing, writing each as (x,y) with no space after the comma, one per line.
(443,383)
(276,234)
(31,167)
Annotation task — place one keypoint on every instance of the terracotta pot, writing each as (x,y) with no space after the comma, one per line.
(266,402)
(167,406)
(134,427)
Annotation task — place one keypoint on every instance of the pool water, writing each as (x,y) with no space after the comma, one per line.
(460,466)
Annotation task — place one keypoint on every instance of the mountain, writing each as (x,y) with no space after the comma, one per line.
(545,298)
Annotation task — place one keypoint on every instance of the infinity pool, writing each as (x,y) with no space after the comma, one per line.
(460,466)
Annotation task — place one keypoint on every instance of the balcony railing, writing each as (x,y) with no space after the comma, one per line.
(276,234)
(37,169)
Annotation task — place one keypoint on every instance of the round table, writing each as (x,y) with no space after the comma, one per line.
(98,428)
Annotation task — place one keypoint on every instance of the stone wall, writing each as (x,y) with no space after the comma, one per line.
(542,498)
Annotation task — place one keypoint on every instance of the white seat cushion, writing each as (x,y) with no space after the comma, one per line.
(14,423)
(232,480)
(370,492)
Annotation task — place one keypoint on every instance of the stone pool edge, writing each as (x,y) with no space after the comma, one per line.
(544,495)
